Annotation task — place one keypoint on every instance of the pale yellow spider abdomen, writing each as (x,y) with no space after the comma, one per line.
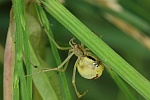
(89,67)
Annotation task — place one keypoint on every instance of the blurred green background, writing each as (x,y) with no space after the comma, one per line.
(119,22)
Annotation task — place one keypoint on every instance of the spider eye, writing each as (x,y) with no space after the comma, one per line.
(95,64)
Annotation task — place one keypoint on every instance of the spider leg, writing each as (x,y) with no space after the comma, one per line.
(66,65)
(71,42)
(57,68)
(73,81)
(59,47)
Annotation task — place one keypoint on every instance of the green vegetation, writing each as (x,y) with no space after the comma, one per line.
(31,47)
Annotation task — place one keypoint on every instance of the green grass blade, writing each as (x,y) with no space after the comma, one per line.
(27,62)
(18,51)
(102,50)
(62,76)
(19,77)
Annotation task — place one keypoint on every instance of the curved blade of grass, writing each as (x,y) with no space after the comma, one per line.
(41,80)
(102,50)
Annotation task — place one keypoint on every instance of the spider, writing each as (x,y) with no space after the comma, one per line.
(87,64)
